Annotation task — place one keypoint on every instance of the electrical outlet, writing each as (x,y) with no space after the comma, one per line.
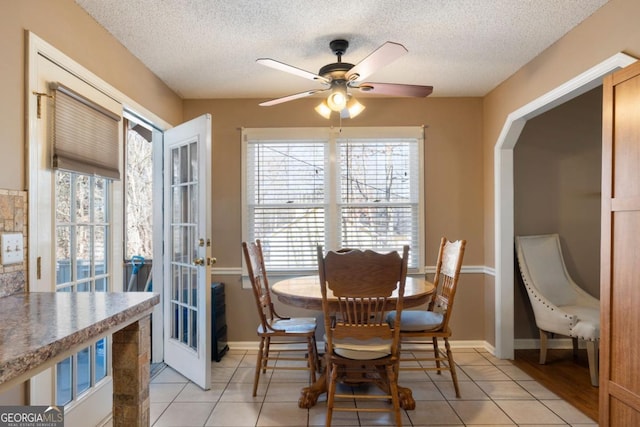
(12,250)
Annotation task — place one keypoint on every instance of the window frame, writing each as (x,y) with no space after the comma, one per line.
(330,137)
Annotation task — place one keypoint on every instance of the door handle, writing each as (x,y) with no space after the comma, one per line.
(198,261)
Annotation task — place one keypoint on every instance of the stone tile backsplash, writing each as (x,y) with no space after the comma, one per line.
(13,219)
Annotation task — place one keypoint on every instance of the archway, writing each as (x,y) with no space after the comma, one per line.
(503,190)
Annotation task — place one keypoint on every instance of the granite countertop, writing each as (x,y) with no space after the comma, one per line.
(41,327)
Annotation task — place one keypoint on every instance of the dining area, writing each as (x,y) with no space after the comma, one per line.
(325,380)
(361,295)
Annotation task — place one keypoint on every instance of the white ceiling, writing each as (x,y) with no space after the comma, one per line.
(208,48)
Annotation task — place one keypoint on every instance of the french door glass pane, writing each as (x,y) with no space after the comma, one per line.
(193,170)
(184,163)
(175,167)
(193,339)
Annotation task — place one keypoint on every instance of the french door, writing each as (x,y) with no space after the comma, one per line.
(187,250)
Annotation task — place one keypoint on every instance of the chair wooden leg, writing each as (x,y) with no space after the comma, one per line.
(393,391)
(265,358)
(452,367)
(333,372)
(593,355)
(544,335)
(436,353)
(574,341)
(259,362)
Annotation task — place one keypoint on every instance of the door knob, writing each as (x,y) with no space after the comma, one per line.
(198,261)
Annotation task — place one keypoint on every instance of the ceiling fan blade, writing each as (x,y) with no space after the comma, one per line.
(394,89)
(380,57)
(272,63)
(290,97)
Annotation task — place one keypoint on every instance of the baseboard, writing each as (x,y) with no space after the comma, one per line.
(556,343)
(519,344)
(253,345)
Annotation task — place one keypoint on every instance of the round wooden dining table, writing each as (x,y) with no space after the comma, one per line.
(305,292)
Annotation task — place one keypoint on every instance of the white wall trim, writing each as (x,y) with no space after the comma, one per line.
(556,343)
(430,269)
(504,188)
(253,345)
(468,269)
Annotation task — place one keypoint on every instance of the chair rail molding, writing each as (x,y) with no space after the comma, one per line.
(430,269)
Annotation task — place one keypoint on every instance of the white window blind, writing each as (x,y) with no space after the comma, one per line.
(286,200)
(357,188)
(379,198)
(85,135)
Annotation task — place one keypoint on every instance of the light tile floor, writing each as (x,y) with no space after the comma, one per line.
(494,393)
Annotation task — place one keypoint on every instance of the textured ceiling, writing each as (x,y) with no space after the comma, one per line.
(208,48)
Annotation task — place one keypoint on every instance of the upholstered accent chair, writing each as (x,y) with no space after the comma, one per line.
(559,305)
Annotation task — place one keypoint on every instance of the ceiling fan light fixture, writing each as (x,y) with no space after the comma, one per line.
(353,109)
(337,99)
(324,110)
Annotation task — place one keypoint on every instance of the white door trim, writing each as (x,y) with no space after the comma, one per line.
(503,190)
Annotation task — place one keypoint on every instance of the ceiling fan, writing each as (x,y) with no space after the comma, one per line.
(340,76)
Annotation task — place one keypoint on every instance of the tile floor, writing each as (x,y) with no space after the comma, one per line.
(494,393)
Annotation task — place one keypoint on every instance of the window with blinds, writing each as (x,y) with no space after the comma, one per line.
(357,188)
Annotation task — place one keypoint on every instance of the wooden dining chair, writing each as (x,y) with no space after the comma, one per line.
(361,347)
(279,335)
(420,330)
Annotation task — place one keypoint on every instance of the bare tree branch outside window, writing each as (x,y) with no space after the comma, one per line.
(138,199)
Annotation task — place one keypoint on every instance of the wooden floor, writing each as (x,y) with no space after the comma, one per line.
(563,375)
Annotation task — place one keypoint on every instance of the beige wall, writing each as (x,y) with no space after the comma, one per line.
(453,190)
(70,29)
(557,179)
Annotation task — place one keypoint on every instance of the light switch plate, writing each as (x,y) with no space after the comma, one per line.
(12,249)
